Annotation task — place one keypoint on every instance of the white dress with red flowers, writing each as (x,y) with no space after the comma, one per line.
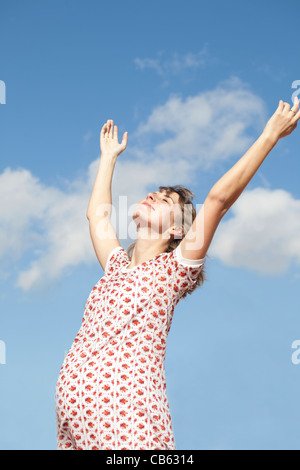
(111,390)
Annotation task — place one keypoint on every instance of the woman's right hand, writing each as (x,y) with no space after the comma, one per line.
(284,120)
(109,144)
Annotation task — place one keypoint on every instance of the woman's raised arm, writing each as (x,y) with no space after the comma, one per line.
(227,190)
(99,209)
(110,150)
(281,124)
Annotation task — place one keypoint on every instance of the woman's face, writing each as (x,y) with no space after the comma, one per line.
(159,212)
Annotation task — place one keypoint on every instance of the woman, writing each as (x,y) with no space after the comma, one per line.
(111,390)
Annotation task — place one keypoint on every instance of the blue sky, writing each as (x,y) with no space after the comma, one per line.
(193,83)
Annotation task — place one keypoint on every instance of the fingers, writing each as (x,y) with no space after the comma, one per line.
(111,131)
(294,110)
(296,117)
(295,105)
(280,106)
(125,139)
(103,130)
(111,128)
(106,130)
(105,127)
(286,107)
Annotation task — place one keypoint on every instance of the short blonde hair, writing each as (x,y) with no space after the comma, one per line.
(188,215)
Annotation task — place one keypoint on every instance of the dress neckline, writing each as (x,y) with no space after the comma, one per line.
(129,270)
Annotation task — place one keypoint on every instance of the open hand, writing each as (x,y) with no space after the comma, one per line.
(284,120)
(109,144)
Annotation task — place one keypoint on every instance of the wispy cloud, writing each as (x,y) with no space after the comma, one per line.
(87,136)
(176,64)
(276,74)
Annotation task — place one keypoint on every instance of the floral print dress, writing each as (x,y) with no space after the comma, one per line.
(111,390)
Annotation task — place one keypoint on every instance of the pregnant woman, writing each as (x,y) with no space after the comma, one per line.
(111,390)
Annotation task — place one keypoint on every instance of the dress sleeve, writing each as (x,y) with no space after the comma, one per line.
(196,263)
(182,273)
(116,260)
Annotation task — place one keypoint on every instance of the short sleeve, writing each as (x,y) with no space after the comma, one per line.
(116,260)
(181,273)
(196,263)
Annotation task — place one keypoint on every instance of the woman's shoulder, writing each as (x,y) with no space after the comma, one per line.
(117,259)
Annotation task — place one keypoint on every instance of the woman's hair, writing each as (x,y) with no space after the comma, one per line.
(188,215)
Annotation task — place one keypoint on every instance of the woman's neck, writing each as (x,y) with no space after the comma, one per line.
(146,249)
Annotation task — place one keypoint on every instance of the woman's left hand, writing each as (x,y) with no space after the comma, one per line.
(284,120)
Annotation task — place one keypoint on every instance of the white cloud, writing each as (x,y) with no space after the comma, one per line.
(263,233)
(23,200)
(44,221)
(203,129)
